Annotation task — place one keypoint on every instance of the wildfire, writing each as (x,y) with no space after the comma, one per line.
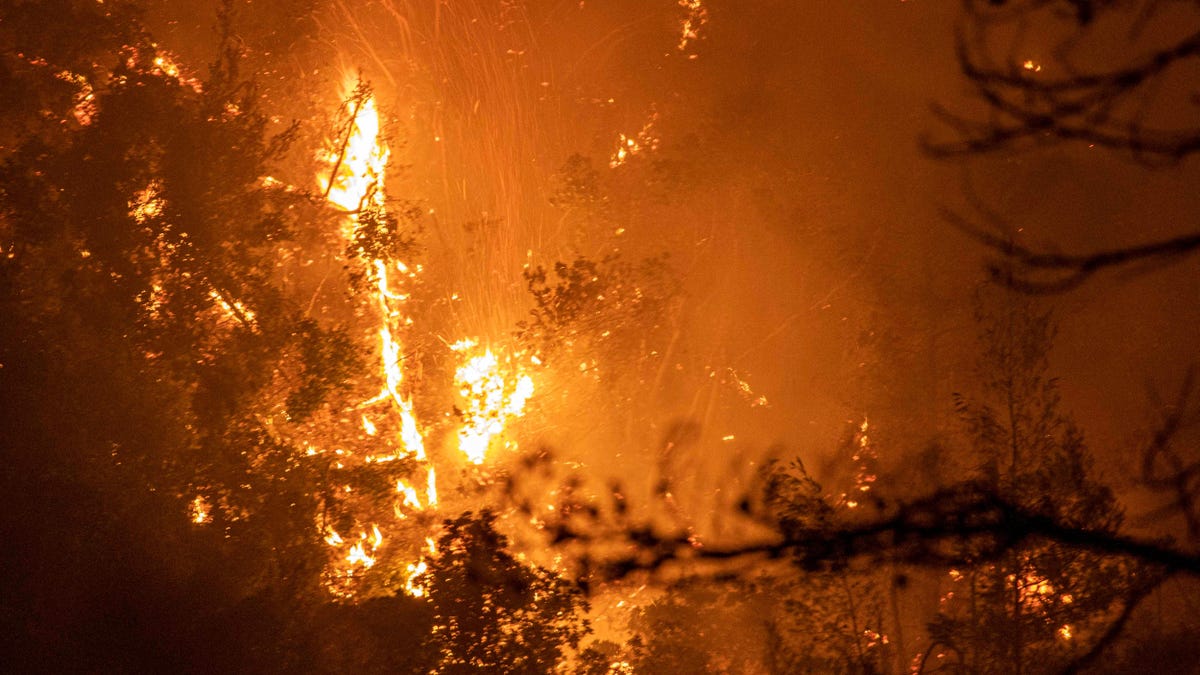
(84,98)
(393,366)
(695,17)
(360,553)
(431,495)
(146,203)
(409,494)
(865,458)
(235,310)
(411,584)
(354,183)
(1037,592)
(200,511)
(490,398)
(748,394)
(628,146)
(493,390)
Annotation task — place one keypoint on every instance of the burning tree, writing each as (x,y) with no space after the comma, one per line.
(238,437)
(159,294)
(145,308)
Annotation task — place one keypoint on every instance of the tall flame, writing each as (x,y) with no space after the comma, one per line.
(493,390)
(393,366)
(355,182)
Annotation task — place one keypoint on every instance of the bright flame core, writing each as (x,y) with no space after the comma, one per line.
(358,165)
(490,398)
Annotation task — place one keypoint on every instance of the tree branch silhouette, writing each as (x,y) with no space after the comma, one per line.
(1041,273)
(1106,107)
(962,524)
(1075,98)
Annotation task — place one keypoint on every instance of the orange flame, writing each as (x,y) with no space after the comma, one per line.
(491,400)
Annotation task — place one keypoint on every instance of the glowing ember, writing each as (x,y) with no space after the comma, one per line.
(235,310)
(410,585)
(628,146)
(359,553)
(748,394)
(85,97)
(147,203)
(415,570)
(165,65)
(200,510)
(696,16)
(865,458)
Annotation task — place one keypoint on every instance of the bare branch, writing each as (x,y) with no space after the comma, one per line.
(1037,272)
(1102,107)
(962,524)
(1165,468)
(1114,629)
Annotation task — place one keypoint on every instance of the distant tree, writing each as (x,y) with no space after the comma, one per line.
(607,324)
(606,310)
(493,612)
(1040,603)
(830,619)
(700,626)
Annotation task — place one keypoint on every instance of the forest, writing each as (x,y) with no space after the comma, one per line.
(599,336)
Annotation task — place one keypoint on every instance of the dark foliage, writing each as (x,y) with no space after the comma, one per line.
(493,612)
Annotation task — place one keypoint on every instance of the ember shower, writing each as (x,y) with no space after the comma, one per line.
(601,336)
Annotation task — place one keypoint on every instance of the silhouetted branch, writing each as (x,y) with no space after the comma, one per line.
(1036,102)
(1114,629)
(933,646)
(1027,102)
(1165,468)
(964,524)
(1035,272)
